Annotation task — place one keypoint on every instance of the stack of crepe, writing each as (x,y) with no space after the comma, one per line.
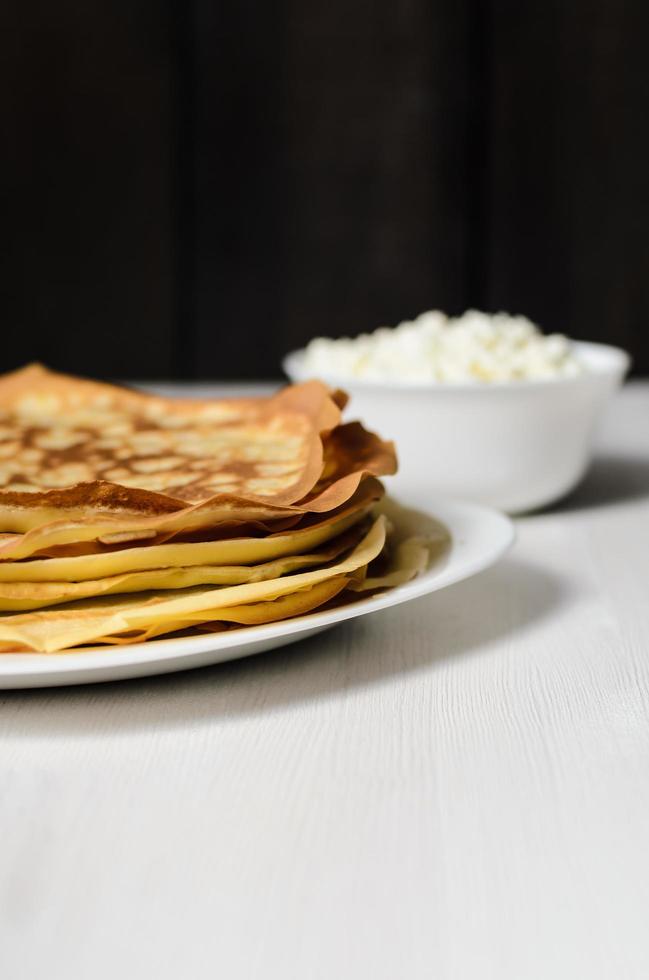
(126,516)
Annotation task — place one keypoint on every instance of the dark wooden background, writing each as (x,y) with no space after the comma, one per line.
(192,188)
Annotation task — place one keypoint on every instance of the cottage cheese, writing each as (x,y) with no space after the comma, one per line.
(475,347)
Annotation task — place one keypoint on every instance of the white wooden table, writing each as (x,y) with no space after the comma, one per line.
(454,789)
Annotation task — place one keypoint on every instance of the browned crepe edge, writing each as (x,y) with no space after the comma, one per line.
(312,400)
(351,441)
(36,542)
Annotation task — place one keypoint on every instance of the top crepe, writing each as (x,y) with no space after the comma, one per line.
(82,451)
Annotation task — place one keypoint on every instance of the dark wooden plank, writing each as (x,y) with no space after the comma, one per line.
(89,118)
(191,189)
(237,277)
(331,171)
(568,161)
(376,153)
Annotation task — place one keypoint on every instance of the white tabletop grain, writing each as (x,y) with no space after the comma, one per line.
(458,788)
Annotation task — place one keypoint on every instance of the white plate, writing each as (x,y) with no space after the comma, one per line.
(479,538)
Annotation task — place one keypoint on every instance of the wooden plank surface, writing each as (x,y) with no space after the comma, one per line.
(457,788)
(568,153)
(89,116)
(331,172)
(190,189)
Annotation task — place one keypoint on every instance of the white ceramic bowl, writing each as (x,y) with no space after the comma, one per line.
(515,445)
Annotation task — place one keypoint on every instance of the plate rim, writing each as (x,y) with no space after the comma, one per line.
(31,667)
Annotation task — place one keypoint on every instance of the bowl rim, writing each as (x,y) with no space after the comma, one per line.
(619,362)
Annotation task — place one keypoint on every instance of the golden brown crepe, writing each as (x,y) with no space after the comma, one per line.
(112,461)
(60,431)
(138,555)
(125,516)
(93,620)
(38,594)
(252,614)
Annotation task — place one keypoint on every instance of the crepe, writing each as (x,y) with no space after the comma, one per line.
(37,594)
(92,621)
(59,432)
(251,614)
(109,461)
(229,551)
(415,541)
(125,516)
